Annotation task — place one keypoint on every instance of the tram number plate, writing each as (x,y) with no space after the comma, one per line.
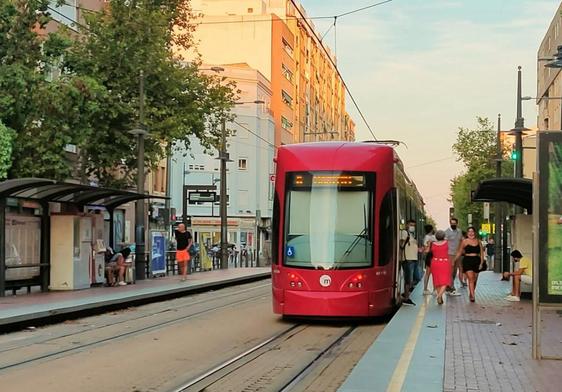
(290,251)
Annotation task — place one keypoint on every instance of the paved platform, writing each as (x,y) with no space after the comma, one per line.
(38,307)
(461,346)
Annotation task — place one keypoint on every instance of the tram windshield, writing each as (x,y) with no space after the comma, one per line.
(328,220)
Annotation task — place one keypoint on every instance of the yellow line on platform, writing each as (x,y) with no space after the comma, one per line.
(399,375)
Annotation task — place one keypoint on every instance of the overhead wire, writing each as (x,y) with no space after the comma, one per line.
(253,133)
(69,19)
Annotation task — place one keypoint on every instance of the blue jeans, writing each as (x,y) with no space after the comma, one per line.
(417,273)
(409,266)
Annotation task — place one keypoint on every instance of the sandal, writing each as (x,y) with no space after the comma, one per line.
(440,300)
(472,299)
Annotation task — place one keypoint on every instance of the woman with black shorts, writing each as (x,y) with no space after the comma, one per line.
(473,261)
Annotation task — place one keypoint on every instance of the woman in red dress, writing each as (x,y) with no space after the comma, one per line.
(440,265)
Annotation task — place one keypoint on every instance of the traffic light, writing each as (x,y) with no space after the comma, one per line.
(515,155)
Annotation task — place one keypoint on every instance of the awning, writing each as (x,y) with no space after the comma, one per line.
(517,191)
(45,190)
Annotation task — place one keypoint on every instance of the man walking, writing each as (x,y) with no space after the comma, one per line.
(409,251)
(453,235)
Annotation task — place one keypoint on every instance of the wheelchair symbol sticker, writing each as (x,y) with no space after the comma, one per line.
(290,251)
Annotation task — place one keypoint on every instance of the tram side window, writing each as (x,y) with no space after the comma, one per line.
(387,228)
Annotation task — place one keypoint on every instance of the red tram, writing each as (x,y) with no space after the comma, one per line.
(337,211)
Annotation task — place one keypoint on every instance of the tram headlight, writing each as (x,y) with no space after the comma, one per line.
(350,285)
(359,285)
(292,284)
(299,284)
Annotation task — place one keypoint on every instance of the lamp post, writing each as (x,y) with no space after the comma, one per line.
(518,130)
(140,132)
(498,217)
(224,158)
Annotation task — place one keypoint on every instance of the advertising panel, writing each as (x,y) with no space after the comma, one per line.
(157,252)
(550,216)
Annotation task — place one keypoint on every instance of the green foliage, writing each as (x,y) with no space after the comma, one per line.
(133,36)
(477,150)
(6,137)
(95,100)
(44,116)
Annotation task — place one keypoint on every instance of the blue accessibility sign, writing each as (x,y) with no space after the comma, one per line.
(290,251)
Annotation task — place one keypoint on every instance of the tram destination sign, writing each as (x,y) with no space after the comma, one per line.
(202,197)
(549,216)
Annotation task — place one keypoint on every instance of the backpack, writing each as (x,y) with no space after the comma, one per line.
(108,254)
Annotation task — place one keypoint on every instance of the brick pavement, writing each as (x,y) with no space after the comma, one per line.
(488,343)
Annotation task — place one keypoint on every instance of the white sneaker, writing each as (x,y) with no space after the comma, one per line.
(122,283)
(426,292)
(513,298)
(454,293)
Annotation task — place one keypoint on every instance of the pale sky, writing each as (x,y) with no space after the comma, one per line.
(419,69)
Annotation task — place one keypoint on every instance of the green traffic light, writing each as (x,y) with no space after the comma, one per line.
(514,155)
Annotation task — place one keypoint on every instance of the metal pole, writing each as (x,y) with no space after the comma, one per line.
(140,262)
(497,207)
(45,271)
(2,247)
(258,237)
(223,198)
(519,125)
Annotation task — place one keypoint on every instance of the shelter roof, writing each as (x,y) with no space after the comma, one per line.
(46,190)
(517,191)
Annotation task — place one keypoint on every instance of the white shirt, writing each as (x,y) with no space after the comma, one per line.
(411,248)
(428,238)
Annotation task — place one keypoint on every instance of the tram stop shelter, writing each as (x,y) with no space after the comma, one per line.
(518,191)
(44,192)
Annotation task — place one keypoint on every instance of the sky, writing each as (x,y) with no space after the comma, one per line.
(419,69)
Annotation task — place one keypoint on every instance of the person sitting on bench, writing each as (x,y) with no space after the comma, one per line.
(523,274)
(117,264)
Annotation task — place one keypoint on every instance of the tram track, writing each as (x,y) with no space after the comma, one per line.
(74,347)
(278,363)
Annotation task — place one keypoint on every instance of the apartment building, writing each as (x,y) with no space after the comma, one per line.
(275,38)
(549,80)
(249,172)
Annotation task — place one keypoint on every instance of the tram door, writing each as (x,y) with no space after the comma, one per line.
(400,203)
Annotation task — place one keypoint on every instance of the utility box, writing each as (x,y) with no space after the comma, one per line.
(71,252)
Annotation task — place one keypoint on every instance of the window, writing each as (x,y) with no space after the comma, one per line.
(328,221)
(196,167)
(66,13)
(242,164)
(387,228)
(286,124)
(287,73)
(288,48)
(250,10)
(287,99)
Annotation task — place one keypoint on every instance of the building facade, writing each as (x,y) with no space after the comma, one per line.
(249,172)
(549,80)
(273,36)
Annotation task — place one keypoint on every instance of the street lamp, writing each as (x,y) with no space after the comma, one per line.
(519,129)
(140,133)
(224,158)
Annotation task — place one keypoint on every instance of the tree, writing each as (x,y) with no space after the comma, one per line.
(128,37)
(43,116)
(477,150)
(6,137)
